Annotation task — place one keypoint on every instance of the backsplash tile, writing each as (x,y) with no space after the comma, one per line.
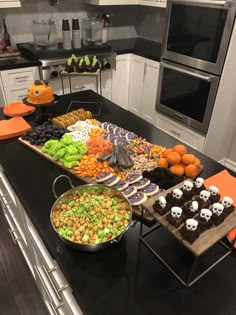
(127,21)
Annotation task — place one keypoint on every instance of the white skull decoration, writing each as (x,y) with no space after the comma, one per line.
(191,224)
(162,202)
(199,182)
(204,195)
(176,212)
(206,214)
(194,206)
(213,190)
(187,185)
(177,193)
(227,202)
(217,208)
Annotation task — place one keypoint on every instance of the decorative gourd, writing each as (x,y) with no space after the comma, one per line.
(40,93)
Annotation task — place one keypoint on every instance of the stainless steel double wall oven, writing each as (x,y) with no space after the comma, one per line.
(195,45)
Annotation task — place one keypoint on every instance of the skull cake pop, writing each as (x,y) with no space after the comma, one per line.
(175,216)
(227,202)
(190,209)
(217,210)
(198,185)
(175,198)
(214,194)
(203,199)
(161,205)
(190,230)
(187,190)
(205,219)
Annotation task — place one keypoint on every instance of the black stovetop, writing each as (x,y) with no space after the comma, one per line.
(28,50)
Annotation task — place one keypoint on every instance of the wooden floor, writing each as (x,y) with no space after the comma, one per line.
(18,292)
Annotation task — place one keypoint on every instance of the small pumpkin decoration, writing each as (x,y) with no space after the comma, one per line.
(40,93)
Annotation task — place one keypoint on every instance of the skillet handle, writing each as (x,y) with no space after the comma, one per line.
(131,224)
(55,181)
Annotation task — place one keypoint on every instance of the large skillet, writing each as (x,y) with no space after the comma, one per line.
(89,247)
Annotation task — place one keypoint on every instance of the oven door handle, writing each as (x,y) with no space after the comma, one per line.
(220,3)
(192,73)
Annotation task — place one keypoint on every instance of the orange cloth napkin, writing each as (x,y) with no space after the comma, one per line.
(227,187)
(13,127)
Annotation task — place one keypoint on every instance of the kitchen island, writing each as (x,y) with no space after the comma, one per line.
(126,278)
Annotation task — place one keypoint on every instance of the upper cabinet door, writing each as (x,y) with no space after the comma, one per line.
(10,4)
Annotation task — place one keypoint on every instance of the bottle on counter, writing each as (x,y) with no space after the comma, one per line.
(6,36)
(76,40)
(66,34)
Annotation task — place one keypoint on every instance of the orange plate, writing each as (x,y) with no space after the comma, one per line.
(18,109)
(13,127)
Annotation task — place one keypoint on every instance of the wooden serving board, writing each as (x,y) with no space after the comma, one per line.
(88,180)
(205,240)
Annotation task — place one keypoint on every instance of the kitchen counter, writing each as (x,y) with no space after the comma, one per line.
(124,279)
(138,46)
(18,62)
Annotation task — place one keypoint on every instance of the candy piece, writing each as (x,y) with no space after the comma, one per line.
(130,191)
(102,177)
(137,199)
(150,189)
(133,178)
(142,183)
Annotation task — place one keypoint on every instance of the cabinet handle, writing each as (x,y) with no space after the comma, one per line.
(80,88)
(54,307)
(15,239)
(176,133)
(57,290)
(22,77)
(21,96)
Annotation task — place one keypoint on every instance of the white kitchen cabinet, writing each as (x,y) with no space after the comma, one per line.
(178,131)
(143,87)
(136,80)
(120,81)
(15,83)
(111,2)
(10,4)
(153,3)
(151,74)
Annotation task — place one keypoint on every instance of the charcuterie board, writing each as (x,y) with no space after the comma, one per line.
(136,210)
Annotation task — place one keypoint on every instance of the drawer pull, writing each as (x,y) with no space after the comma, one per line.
(54,307)
(15,239)
(80,88)
(21,96)
(23,77)
(176,133)
(56,290)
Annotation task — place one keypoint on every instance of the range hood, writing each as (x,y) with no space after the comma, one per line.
(10,4)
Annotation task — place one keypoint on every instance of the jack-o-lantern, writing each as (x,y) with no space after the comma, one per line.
(40,93)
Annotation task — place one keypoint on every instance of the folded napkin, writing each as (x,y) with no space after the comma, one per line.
(227,187)
(13,127)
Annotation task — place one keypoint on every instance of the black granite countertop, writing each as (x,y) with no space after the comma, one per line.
(138,46)
(18,62)
(126,278)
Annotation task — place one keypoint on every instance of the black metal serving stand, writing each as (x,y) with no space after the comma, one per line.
(73,103)
(206,240)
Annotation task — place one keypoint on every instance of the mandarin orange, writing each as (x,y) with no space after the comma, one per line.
(188,159)
(180,148)
(162,163)
(191,170)
(177,169)
(173,158)
(166,152)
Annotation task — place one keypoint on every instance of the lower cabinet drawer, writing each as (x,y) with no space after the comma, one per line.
(15,93)
(181,133)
